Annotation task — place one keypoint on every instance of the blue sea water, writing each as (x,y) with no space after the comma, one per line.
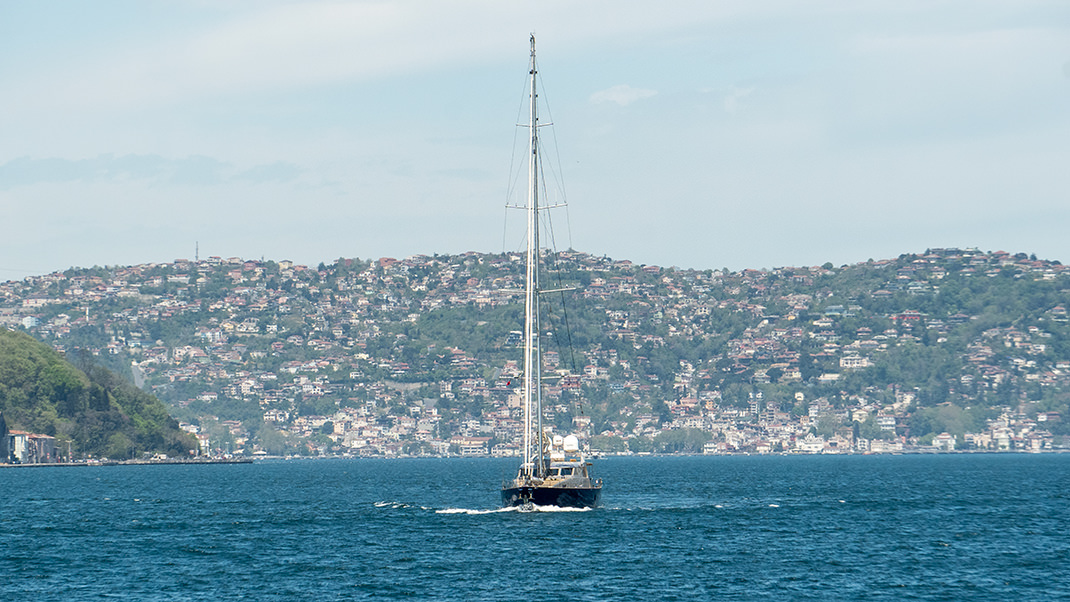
(949,527)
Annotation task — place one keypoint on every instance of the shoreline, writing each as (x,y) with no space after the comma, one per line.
(128,463)
(457,457)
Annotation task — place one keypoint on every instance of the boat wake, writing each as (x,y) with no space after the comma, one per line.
(535,508)
(521,509)
(472,512)
(398,505)
(476,511)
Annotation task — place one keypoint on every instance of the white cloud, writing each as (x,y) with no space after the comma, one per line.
(192,170)
(623,95)
(294,45)
(376,112)
(735,95)
(921,85)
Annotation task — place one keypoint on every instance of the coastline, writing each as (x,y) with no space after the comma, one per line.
(912,452)
(129,463)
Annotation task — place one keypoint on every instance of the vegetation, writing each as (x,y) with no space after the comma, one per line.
(949,340)
(90,408)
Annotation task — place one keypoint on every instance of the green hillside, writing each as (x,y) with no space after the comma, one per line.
(390,357)
(94,410)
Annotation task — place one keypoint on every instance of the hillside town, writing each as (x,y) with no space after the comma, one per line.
(419,356)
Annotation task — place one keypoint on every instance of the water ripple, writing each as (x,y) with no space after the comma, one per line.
(873,528)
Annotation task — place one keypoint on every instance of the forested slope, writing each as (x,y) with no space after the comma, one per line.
(99,413)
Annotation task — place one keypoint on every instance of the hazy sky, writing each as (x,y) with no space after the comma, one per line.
(702,133)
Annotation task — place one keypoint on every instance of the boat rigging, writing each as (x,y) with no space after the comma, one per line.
(553,470)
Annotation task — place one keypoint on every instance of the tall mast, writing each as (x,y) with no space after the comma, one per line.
(532,365)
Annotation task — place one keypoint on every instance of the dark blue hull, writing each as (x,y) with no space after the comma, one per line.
(563,497)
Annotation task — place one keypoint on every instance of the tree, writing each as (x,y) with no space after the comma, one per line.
(120,447)
(273,442)
(608,444)
(686,441)
(640,445)
(90,407)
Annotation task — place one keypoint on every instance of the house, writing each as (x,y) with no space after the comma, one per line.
(28,448)
(810,444)
(851,362)
(471,446)
(944,441)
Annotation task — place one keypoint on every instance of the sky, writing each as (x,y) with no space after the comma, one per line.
(691,133)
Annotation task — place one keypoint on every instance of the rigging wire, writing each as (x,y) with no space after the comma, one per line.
(514,169)
(559,174)
(557,177)
(558,272)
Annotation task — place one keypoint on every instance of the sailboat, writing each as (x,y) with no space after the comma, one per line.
(553,470)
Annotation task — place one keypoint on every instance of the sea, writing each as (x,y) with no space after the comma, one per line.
(911,527)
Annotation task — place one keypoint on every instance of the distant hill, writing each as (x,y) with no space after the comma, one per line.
(393,356)
(93,409)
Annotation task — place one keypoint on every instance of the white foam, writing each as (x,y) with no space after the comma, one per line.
(536,508)
(527,508)
(474,512)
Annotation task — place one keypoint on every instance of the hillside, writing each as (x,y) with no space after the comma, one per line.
(419,355)
(96,412)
